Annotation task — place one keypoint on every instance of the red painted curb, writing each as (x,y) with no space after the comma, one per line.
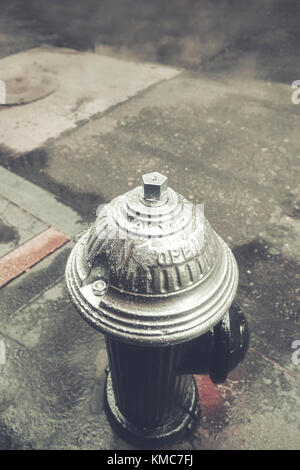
(25,256)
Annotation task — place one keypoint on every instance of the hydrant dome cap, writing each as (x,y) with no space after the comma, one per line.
(168,274)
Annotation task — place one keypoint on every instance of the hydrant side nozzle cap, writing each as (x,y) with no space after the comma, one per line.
(155,187)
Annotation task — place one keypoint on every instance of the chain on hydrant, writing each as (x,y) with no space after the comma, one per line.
(156,279)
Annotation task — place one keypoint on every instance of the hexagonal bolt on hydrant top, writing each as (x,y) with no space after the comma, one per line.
(157,280)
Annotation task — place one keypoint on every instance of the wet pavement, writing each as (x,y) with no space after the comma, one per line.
(227,135)
(184,34)
(17,226)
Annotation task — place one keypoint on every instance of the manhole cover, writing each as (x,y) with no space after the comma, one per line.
(22,90)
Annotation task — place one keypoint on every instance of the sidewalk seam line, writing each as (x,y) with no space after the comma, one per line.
(52,284)
(20,207)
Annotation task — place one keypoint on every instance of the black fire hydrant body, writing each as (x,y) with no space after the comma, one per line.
(155,278)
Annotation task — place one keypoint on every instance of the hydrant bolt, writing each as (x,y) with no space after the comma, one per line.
(99,287)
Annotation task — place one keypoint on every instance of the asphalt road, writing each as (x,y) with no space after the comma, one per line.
(181,33)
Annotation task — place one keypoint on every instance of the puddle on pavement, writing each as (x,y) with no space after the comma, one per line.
(32,166)
(8,233)
(270,283)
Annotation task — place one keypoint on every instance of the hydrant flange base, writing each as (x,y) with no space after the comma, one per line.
(185,416)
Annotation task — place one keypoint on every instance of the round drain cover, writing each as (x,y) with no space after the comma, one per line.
(22,90)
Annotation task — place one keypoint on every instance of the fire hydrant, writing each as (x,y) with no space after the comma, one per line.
(156,279)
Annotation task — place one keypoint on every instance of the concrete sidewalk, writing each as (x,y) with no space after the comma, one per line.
(228,139)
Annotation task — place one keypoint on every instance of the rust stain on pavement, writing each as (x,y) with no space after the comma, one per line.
(30,253)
